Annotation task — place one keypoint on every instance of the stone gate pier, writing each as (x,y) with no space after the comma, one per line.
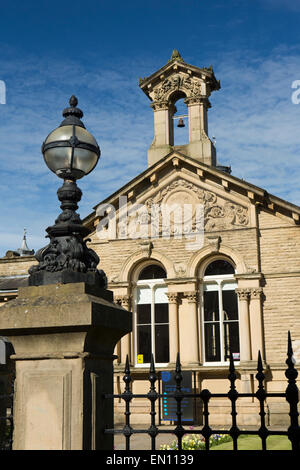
(63,337)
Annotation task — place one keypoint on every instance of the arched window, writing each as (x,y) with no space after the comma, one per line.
(220,313)
(151,316)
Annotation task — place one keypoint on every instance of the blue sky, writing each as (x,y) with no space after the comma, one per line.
(98,49)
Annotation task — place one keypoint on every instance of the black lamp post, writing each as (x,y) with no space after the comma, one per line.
(71,152)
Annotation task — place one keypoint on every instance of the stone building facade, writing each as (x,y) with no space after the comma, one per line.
(208,263)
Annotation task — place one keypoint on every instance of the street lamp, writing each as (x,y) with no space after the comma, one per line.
(71,152)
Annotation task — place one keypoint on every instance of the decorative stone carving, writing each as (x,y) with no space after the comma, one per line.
(222,216)
(256,293)
(196,209)
(218,214)
(192,87)
(147,247)
(124,301)
(180,269)
(173,297)
(214,242)
(192,296)
(244,294)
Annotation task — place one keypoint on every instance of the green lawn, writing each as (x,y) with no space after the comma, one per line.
(249,442)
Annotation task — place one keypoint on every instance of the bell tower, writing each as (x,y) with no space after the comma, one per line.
(172,82)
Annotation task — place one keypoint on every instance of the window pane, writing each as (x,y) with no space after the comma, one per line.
(218,267)
(231,340)
(230,305)
(152,271)
(162,343)
(144,295)
(212,342)
(160,295)
(143,314)
(161,313)
(144,342)
(211,305)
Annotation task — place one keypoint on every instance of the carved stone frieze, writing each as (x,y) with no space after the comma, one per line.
(181,208)
(217,213)
(192,87)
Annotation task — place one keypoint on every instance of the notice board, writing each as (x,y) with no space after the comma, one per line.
(169,405)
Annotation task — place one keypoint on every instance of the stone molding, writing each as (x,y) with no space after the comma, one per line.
(61,355)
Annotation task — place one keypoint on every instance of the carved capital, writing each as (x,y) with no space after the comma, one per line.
(256,293)
(124,301)
(173,297)
(158,105)
(192,296)
(197,99)
(244,294)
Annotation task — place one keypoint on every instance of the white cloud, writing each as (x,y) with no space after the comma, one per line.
(253,119)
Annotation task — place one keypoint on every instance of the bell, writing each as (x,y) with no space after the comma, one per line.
(180,123)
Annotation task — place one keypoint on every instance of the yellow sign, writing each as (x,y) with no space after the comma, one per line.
(140,358)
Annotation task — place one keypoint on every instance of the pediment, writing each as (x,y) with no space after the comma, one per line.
(180,76)
(178,205)
(219,213)
(228,202)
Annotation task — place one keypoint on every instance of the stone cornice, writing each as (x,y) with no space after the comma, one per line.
(179,65)
(18,259)
(249,275)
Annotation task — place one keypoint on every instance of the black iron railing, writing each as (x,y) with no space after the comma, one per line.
(291,395)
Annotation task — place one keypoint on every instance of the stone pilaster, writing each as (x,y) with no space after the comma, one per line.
(173,298)
(256,326)
(244,324)
(189,329)
(125,302)
(245,338)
